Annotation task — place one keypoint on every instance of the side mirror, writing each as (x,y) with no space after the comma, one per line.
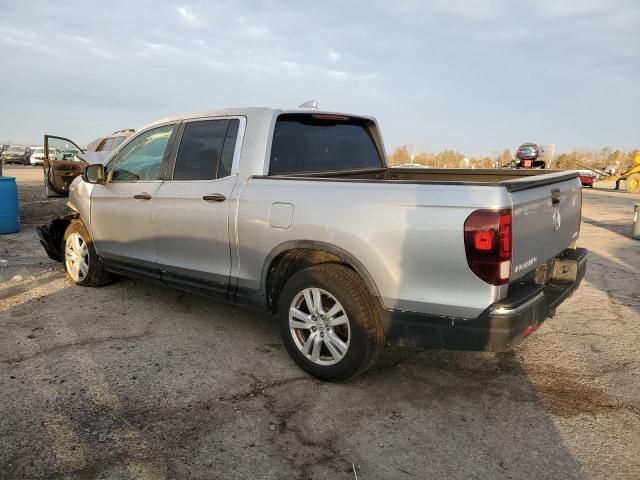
(94,174)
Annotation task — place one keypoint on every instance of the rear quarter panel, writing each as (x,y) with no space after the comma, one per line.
(408,237)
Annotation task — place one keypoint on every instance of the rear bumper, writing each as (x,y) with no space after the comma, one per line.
(502,325)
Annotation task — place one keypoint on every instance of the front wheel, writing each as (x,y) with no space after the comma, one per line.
(329,323)
(80,258)
(633,183)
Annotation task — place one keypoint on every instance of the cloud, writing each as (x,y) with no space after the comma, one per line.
(27,39)
(333,55)
(418,66)
(87,44)
(252,27)
(186,13)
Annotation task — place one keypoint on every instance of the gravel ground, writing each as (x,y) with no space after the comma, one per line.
(136,380)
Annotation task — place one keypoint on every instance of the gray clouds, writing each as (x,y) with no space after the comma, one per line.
(474,75)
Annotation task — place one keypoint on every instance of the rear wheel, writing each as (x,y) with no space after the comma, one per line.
(633,183)
(80,258)
(329,322)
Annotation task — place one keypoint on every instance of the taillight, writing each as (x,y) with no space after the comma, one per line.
(487,241)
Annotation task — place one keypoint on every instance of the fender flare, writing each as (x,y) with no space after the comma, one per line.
(342,254)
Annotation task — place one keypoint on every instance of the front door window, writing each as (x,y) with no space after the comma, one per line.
(141,158)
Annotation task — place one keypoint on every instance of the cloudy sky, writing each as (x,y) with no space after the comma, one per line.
(475,76)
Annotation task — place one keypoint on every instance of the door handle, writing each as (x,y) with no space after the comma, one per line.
(214,197)
(142,196)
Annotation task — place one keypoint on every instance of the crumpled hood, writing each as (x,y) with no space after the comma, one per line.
(94,157)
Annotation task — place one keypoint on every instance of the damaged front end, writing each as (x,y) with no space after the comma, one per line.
(52,236)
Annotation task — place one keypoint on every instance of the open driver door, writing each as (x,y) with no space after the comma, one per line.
(62,163)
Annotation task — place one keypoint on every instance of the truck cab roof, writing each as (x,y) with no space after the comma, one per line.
(250,112)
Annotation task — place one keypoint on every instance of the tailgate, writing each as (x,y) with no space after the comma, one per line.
(546,220)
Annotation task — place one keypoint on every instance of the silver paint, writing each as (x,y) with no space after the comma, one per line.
(408,238)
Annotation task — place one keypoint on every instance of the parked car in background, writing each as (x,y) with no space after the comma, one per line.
(586,179)
(410,165)
(38,156)
(16,154)
(98,150)
(528,156)
(61,168)
(296,212)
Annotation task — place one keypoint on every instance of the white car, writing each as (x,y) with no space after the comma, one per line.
(37,157)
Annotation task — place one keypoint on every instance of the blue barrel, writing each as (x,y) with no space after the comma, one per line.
(9,209)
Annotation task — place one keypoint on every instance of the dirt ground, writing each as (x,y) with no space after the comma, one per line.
(138,381)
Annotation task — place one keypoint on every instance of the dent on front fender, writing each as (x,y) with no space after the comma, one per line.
(80,200)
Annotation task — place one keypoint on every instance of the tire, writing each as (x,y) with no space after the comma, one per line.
(78,252)
(341,344)
(632,183)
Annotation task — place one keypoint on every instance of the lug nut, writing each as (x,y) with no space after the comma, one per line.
(313,329)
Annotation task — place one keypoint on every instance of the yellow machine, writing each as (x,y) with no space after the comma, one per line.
(631,177)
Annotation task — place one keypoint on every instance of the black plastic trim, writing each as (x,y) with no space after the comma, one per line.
(343,255)
(500,327)
(507,184)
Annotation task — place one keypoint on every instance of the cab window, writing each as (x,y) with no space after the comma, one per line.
(142,157)
(318,143)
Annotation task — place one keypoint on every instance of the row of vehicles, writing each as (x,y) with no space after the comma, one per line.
(21,155)
(60,172)
(95,152)
(16,154)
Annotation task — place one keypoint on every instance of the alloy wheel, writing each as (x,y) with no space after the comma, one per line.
(319,326)
(76,257)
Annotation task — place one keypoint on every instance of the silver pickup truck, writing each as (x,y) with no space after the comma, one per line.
(296,212)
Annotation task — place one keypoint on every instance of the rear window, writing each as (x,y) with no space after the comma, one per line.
(317,143)
(117,141)
(107,147)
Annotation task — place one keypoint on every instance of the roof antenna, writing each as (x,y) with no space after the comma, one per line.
(309,104)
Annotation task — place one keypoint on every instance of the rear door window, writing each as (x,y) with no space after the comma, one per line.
(317,143)
(206,150)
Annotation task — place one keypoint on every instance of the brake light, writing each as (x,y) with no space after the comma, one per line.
(483,240)
(487,241)
(326,116)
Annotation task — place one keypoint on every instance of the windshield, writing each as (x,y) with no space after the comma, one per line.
(15,149)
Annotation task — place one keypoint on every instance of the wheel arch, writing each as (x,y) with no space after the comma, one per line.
(290,257)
